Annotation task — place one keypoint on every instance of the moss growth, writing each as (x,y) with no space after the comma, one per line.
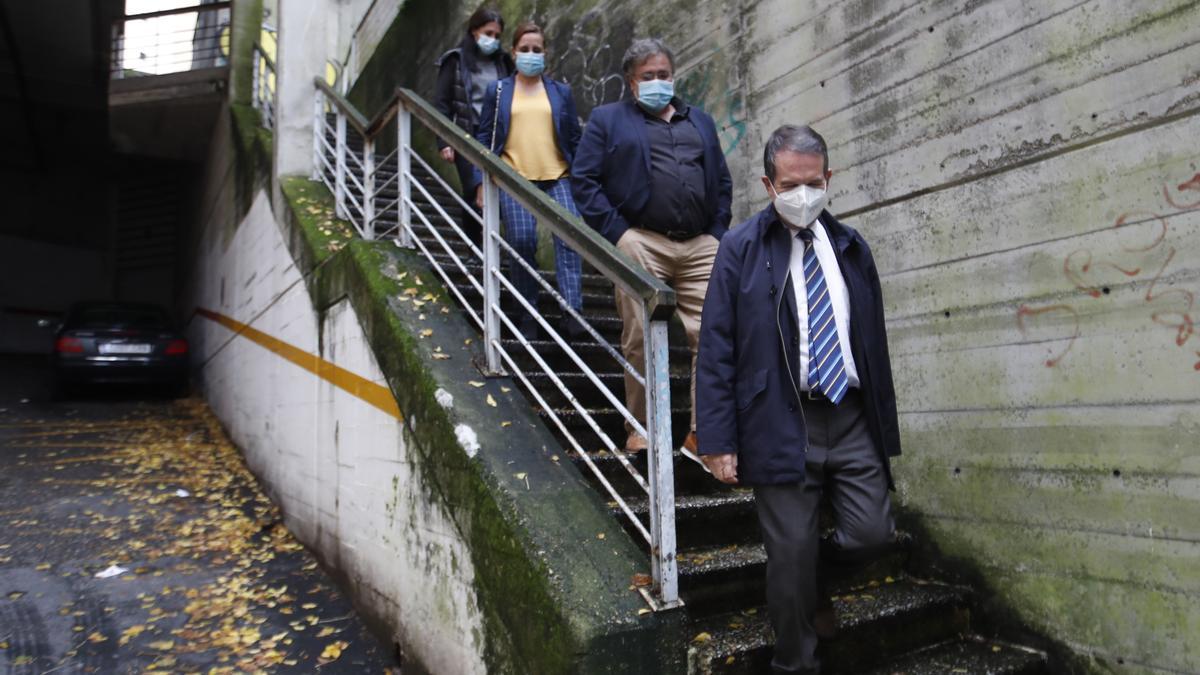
(553,596)
(314,209)
(246,26)
(253,148)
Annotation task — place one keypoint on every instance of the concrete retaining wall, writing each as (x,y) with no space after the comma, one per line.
(1027,173)
(433,492)
(339,467)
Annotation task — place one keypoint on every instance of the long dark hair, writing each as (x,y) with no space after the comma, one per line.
(483,15)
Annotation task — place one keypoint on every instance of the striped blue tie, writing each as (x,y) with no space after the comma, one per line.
(826,368)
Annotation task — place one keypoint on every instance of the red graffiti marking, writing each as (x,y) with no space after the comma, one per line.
(1077,278)
(1123,221)
(1079,265)
(1184,325)
(1025,311)
(1193,184)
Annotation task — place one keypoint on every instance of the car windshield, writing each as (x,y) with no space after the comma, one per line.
(114,316)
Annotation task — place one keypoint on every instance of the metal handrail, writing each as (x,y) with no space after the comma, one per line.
(353,179)
(598,251)
(191,9)
(606,258)
(168,51)
(353,117)
(262,86)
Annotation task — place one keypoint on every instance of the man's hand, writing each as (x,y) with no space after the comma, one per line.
(479,196)
(722,467)
(448,153)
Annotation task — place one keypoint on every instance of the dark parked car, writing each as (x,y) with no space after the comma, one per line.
(109,342)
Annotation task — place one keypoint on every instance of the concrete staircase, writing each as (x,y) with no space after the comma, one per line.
(892,619)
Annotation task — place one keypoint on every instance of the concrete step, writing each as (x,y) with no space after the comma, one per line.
(590,282)
(588,349)
(592,301)
(717,519)
(874,625)
(690,476)
(970,654)
(725,578)
(586,391)
(613,424)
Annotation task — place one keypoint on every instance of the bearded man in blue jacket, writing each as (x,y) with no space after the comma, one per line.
(795,393)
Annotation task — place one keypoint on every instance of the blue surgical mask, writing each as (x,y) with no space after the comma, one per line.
(487,44)
(654,95)
(531,64)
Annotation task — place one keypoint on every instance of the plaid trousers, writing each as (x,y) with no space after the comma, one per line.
(520,230)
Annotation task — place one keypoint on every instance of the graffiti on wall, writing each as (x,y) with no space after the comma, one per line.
(710,88)
(590,54)
(590,57)
(1148,259)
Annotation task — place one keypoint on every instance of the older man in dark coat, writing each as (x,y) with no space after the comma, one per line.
(794,393)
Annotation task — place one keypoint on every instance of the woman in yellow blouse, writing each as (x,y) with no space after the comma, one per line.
(529,120)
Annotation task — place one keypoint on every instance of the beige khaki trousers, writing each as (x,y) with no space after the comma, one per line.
(686,267)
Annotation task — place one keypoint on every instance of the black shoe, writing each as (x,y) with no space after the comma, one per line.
(570,328)
(529,328)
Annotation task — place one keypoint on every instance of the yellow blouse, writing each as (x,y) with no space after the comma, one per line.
(531,148)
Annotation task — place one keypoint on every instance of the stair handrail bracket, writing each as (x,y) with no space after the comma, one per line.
(400,203)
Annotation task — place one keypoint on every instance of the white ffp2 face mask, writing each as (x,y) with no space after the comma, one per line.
(801,205)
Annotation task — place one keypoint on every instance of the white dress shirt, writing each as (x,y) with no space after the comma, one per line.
(838,294)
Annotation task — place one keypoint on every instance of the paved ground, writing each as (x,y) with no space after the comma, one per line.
(212,581)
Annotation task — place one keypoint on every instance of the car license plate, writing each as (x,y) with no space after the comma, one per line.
(125,348)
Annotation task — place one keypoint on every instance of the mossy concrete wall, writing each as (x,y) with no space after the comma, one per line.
(453,518)
(1028,175)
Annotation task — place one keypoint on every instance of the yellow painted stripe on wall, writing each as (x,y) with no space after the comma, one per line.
(352,383)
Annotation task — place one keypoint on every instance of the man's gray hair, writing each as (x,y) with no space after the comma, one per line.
(643,49)
(801,139)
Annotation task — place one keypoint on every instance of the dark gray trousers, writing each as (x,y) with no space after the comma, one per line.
(842,462)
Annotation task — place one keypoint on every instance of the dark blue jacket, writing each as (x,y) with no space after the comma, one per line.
(749,341)
(562,110)
(610,177)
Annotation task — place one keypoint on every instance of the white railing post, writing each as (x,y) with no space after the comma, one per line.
(368,197)
(491,270)
(404,166)
(660,466)
(318,133)
(340,178)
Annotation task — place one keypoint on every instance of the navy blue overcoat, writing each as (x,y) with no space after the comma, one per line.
(749,343)
(610,177)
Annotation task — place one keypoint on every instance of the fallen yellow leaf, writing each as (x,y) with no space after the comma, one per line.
(162,645)
(491,401)
(333,650)
(701,638)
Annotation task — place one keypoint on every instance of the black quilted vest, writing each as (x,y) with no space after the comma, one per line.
(464,115)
